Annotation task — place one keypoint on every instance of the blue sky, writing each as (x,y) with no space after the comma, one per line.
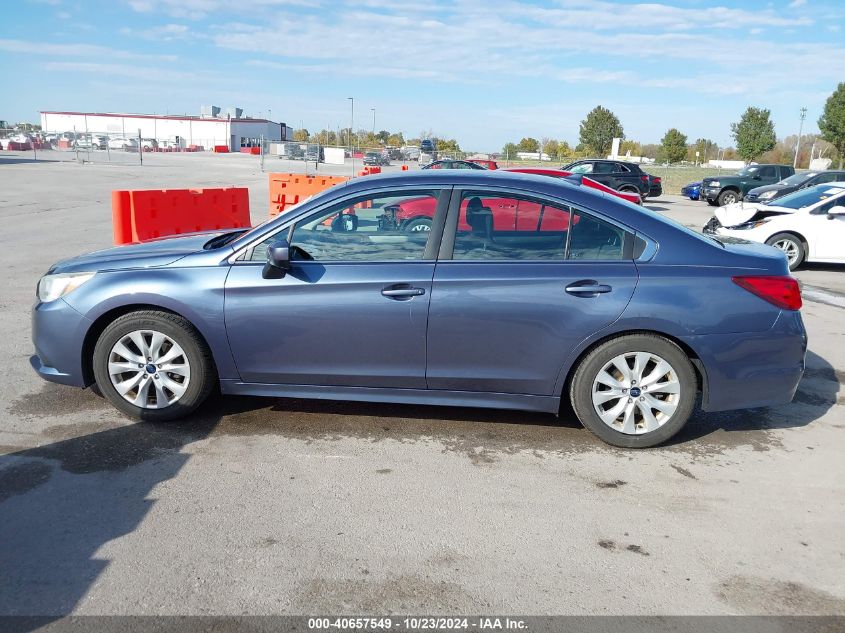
(481,71)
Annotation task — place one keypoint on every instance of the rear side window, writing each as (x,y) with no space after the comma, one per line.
(604,168)
(500,226)
(768,172)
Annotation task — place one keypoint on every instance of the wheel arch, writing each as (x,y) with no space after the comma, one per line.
(102,322)
(795,233)
(691,354)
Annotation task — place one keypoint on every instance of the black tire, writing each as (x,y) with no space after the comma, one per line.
(203,376)
(793,242)
(581,388)
(712,203)
(417,225)
(728,196)
(629,189)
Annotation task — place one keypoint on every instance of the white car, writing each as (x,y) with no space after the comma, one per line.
(807,225)
(123,143)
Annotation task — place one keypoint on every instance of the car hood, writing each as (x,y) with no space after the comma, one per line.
(763,188)
(739,212)
(693,184)
(150,254)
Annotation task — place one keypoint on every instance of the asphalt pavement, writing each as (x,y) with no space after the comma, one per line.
(272,506)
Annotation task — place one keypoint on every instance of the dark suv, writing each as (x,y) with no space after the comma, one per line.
(619,175)
(727,189)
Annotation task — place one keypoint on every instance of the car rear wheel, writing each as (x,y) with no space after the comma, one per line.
(791,246)
(153,365)
(418,225)
(728,196)
(634,391)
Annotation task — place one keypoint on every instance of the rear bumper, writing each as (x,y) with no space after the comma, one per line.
(748,370)
(58,333)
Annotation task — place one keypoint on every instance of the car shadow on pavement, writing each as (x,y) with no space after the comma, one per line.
(63,502)
(16,160)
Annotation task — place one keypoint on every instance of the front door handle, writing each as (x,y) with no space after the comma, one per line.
(587,288)
(402,292)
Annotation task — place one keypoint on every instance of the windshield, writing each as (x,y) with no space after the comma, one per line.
(748,171)
(797,179)
(807,197)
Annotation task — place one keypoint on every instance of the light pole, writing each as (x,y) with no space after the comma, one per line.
(798,142)
(351,127)
(374,121)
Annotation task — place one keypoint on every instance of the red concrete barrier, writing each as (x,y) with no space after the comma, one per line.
(139,215)
(221,149)
(287,190)
(404,168)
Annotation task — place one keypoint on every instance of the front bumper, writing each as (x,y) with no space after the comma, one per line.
(691,192)
(749,370)
(710,193)
(58,333)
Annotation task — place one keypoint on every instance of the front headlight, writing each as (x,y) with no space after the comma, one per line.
(766,195)
(714,183)
(51,287)
(749,225)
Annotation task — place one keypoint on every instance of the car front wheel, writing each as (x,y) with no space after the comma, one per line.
(153,365)
(418,225)
(728,196)
(791,246)
(634,391)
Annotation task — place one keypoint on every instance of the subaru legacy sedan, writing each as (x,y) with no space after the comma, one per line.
(576,296)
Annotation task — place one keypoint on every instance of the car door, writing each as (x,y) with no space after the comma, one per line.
(826,233)
(603,173)
(767,175)
(507,307)
(352,310)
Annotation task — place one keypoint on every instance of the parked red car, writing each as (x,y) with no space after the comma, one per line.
(489,164)
(584,180)
(508,215)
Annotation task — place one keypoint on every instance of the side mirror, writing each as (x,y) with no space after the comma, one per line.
(838,210)
(278,260)
(755,177)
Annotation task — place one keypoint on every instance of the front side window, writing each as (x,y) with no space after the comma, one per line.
(768,172)
(502,226)
(582,168)
(385,227)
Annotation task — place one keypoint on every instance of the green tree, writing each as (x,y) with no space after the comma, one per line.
(396,140)
(706,149)
(630,146)
(564,151)
(509,151)
(754,133)
(550,147)
(832,121)
(673,146)
(448,145)
(301,135)
(382,136)
(599,129)
(528,144)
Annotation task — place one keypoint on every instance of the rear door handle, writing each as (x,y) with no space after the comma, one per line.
(587,288)
(402,292)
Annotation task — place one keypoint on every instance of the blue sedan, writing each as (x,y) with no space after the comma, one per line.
(527,291)
(692,191)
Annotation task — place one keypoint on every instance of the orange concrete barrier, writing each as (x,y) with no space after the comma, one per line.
(141,215)
(404,168)
(221,149)
(287,190)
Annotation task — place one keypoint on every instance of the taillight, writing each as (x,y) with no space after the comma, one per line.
(644,178)
(656,179)
(782,291)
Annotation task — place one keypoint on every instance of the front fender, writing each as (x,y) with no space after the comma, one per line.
(194,293)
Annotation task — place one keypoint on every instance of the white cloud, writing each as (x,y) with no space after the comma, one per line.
(200,9)
(129,71)
(75,50)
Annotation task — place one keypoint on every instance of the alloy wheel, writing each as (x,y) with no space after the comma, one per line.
(636,393)
(789,248)
(149,369)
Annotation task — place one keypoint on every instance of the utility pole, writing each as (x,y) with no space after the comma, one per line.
(800,130)
(352,127)
(374,120)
